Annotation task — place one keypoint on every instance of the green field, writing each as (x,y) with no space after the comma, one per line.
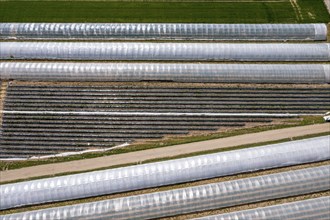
(305,11)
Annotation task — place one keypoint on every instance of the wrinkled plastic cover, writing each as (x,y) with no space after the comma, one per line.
(164,51)
(163,173)
(192,199)
(178,72)
(303,210)
(162,31)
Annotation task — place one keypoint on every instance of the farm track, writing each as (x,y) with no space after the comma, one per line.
(24,135)
(3,88)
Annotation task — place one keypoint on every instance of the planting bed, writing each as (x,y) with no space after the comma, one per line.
(49,118)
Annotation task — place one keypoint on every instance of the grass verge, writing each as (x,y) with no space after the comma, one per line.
(306,120)
(306,11)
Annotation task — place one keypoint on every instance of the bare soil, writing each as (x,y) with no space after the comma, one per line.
(3,88)
(172,84)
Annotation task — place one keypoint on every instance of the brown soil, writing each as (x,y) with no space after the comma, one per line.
(171,85)
(3,90)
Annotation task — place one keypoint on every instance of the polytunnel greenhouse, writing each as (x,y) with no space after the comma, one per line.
(177,72)
(162,31)
(303,210)
(164,51)
(163,173)
(192,199)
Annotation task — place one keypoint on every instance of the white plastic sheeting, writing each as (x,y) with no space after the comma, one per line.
(162,31)
(178,72)
(146,114)
(192,199)
(164,51)
(163,173)
(303,210)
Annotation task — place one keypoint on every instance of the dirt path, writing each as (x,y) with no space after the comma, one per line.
(327,3)
(136,157)
(3,91)
(297,9)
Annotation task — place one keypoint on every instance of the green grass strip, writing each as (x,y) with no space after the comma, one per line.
(163,11)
